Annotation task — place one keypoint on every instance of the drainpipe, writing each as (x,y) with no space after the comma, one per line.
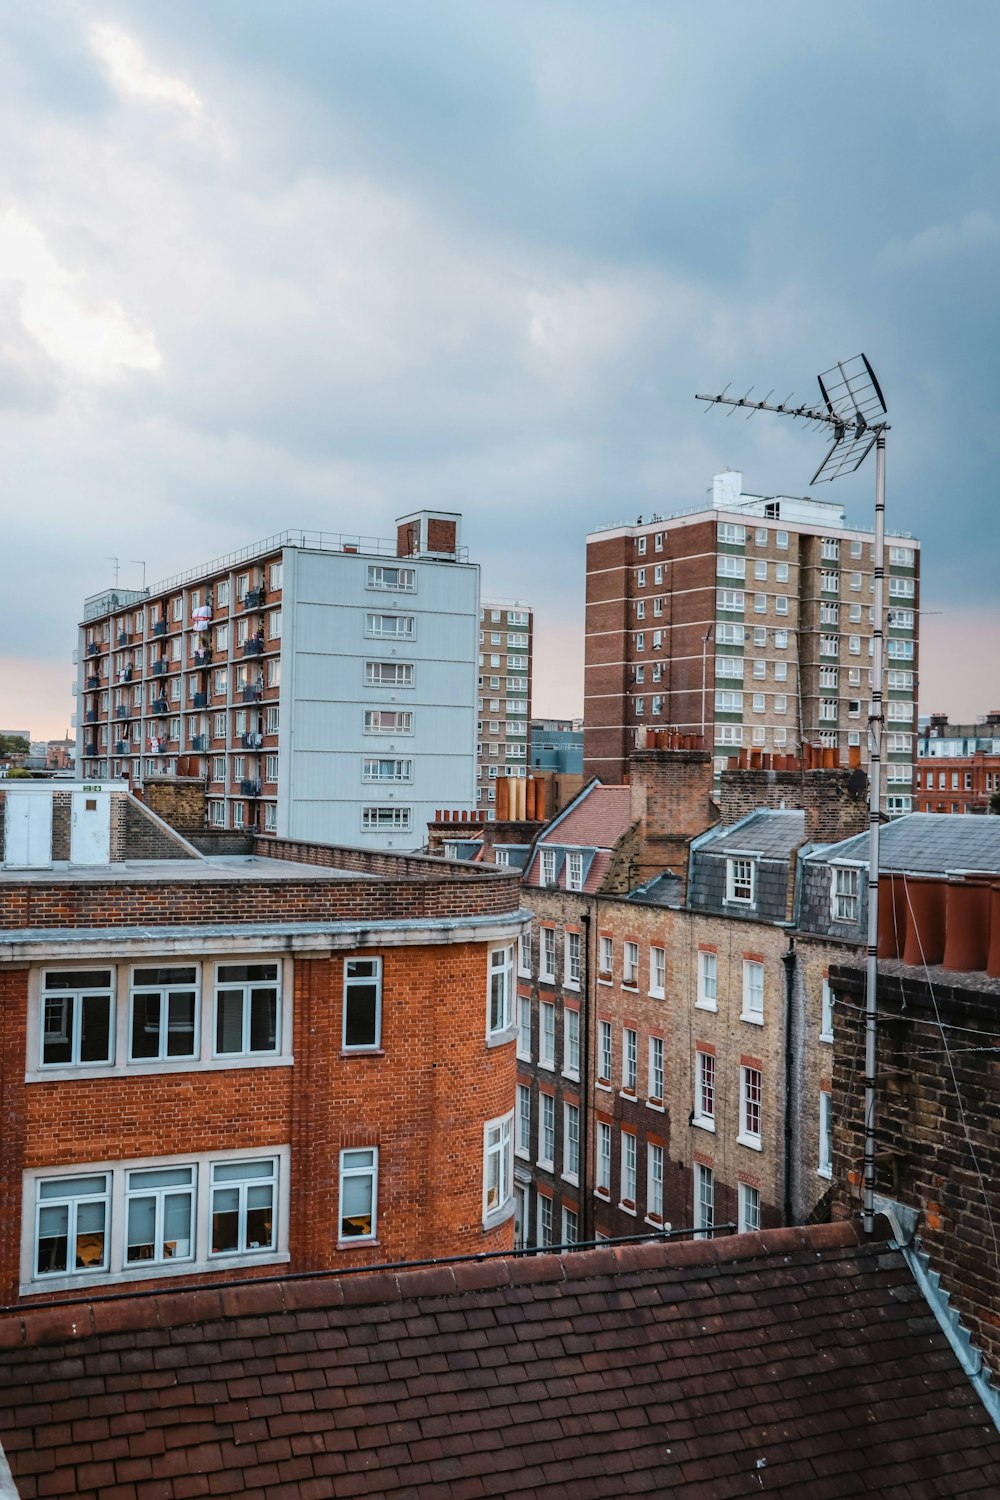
(788,959)
(586,1197)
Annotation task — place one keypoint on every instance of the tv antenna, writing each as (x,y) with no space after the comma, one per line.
(112,559)
(853,410)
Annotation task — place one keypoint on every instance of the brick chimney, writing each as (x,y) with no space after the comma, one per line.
(833,798)
(671,802)
(429,533)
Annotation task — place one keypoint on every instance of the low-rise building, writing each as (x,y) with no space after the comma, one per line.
(958,765)
(297,1055)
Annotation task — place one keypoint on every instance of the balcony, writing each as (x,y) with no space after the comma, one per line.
(93,649)
(254,646)
(90,749)
(158,668)
(124,639)
(90,717)
(200,700)
(252,741)
(121,712)
(252,694)
(93,682)
(249,788)
(202,656)
(200,742)
(124,674)
(159,627)
(159,706)
(121,747)
(254,598)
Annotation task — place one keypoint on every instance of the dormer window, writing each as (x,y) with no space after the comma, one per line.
(740,880)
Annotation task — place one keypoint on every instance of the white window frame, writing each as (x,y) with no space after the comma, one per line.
(605,1054)
(741,880)
(704,1201)
(654,1183)
(500,994)
(547,954)
(657,972)
(825,1167)
(571,1042)
(355,1171)
(630,965)
(845,893)
(628,1182)
(546,1130)
(630,1061)
(602,1169)
(751,1107)
(826,1012)
(753,1012)
(357,981)
(708,981)
(748,1208)
(574,870)
(656,1077)
(498,1169)
(522,1122)
(547,1034)
(571,1142)
(572,959)
(705,1097)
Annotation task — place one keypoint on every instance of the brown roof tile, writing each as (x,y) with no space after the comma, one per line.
(794,1361)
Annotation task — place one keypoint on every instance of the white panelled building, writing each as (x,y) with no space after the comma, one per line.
(322,686)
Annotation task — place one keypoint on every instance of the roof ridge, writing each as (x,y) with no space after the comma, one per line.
(177,1306)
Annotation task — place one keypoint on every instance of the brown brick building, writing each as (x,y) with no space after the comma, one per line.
(748,622)
(299,1055)
(506,640)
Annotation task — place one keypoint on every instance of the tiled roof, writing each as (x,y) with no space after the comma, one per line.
(597,822)
(928,843)
(798,1362)
(772,834)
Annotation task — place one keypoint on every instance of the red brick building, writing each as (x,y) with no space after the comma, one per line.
(299,1055)
(958,765)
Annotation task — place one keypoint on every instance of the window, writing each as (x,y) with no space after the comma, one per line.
(853,645)
(728,701)
(630,1060)
(654,1182)
(826,1013)
(760,669)
(748,1208)
(730,534)
(77,1015)
(524,953)
(396,580)
(71,1224)
(605,949)
(570,1226)
(602,1181)
(753,991)
(571,1142)
(547,1034)
(730,635)
(640,609)
(396,674)
(522,1122)
(358,1193)
(163,1010)
(544,1232)
(708,973)
(362,1025)
(243,1203)
(656,1078)
(704,1195)
(729,599)
(781,540)
(846,894)
(640,546)
(727,566)
(901,557)
(729,666)
(271,768)
(740,880)
(376,819)
(750,1103)
(501,1015)
(246,1009)
(628,1183)
(829,614)
(630,964)
(548,874)
(159,1209)
(825,1134)
(760,603)
(781,671)
(760,570)
(571,1043)
(524,1027)
(604,1057)
(574,870)
(640,641)
(758,703)
(387,721)
(548,964)
(704,1090)
(546,1130)
(657,972)
(390,627)
(375,769)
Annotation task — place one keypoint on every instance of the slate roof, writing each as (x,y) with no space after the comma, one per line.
(797,1362)
(927,843)
(772,834)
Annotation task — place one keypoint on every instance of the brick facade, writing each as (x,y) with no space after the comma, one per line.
(937,1146)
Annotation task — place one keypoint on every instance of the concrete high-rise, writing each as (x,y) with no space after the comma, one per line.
(505,660)
(748,621)
(323,686)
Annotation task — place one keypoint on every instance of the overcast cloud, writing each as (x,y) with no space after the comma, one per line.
(319,262)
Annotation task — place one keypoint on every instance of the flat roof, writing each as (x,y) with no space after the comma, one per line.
(238,868)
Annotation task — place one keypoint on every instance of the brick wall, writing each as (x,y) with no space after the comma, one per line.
(62,811)
(179,801)
(423,1099)
(936,1117)
(833,812)
(671,799)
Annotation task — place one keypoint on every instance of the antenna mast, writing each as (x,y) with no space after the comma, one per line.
(853,410)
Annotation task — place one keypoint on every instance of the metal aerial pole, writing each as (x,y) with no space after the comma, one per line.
(854,408)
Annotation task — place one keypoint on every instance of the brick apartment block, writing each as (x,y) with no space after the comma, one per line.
(302,1055)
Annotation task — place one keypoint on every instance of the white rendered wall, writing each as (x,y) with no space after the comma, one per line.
(321,793)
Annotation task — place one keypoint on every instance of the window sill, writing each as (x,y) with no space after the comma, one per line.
(604,1084)
(362,1052)
(702,1122)
(501,1038)
(522,1155)
(826,1172)
(498,1216)
(603,1193)
(570,1076)
(656,1104)
(573,1178)
(657,994)
(155,1066)
(359,1242)
(572,985)
(826,1036)
(632,985)
(546,979)
(545,1166)
(523,1056)
(178,1268)
(657,1223)
(627,1208)
(627,1094)
(605,979)
(711,1005)
(752,1020)
(752,1142)
(549,1067)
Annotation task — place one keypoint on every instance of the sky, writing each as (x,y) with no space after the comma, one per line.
(272,264)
